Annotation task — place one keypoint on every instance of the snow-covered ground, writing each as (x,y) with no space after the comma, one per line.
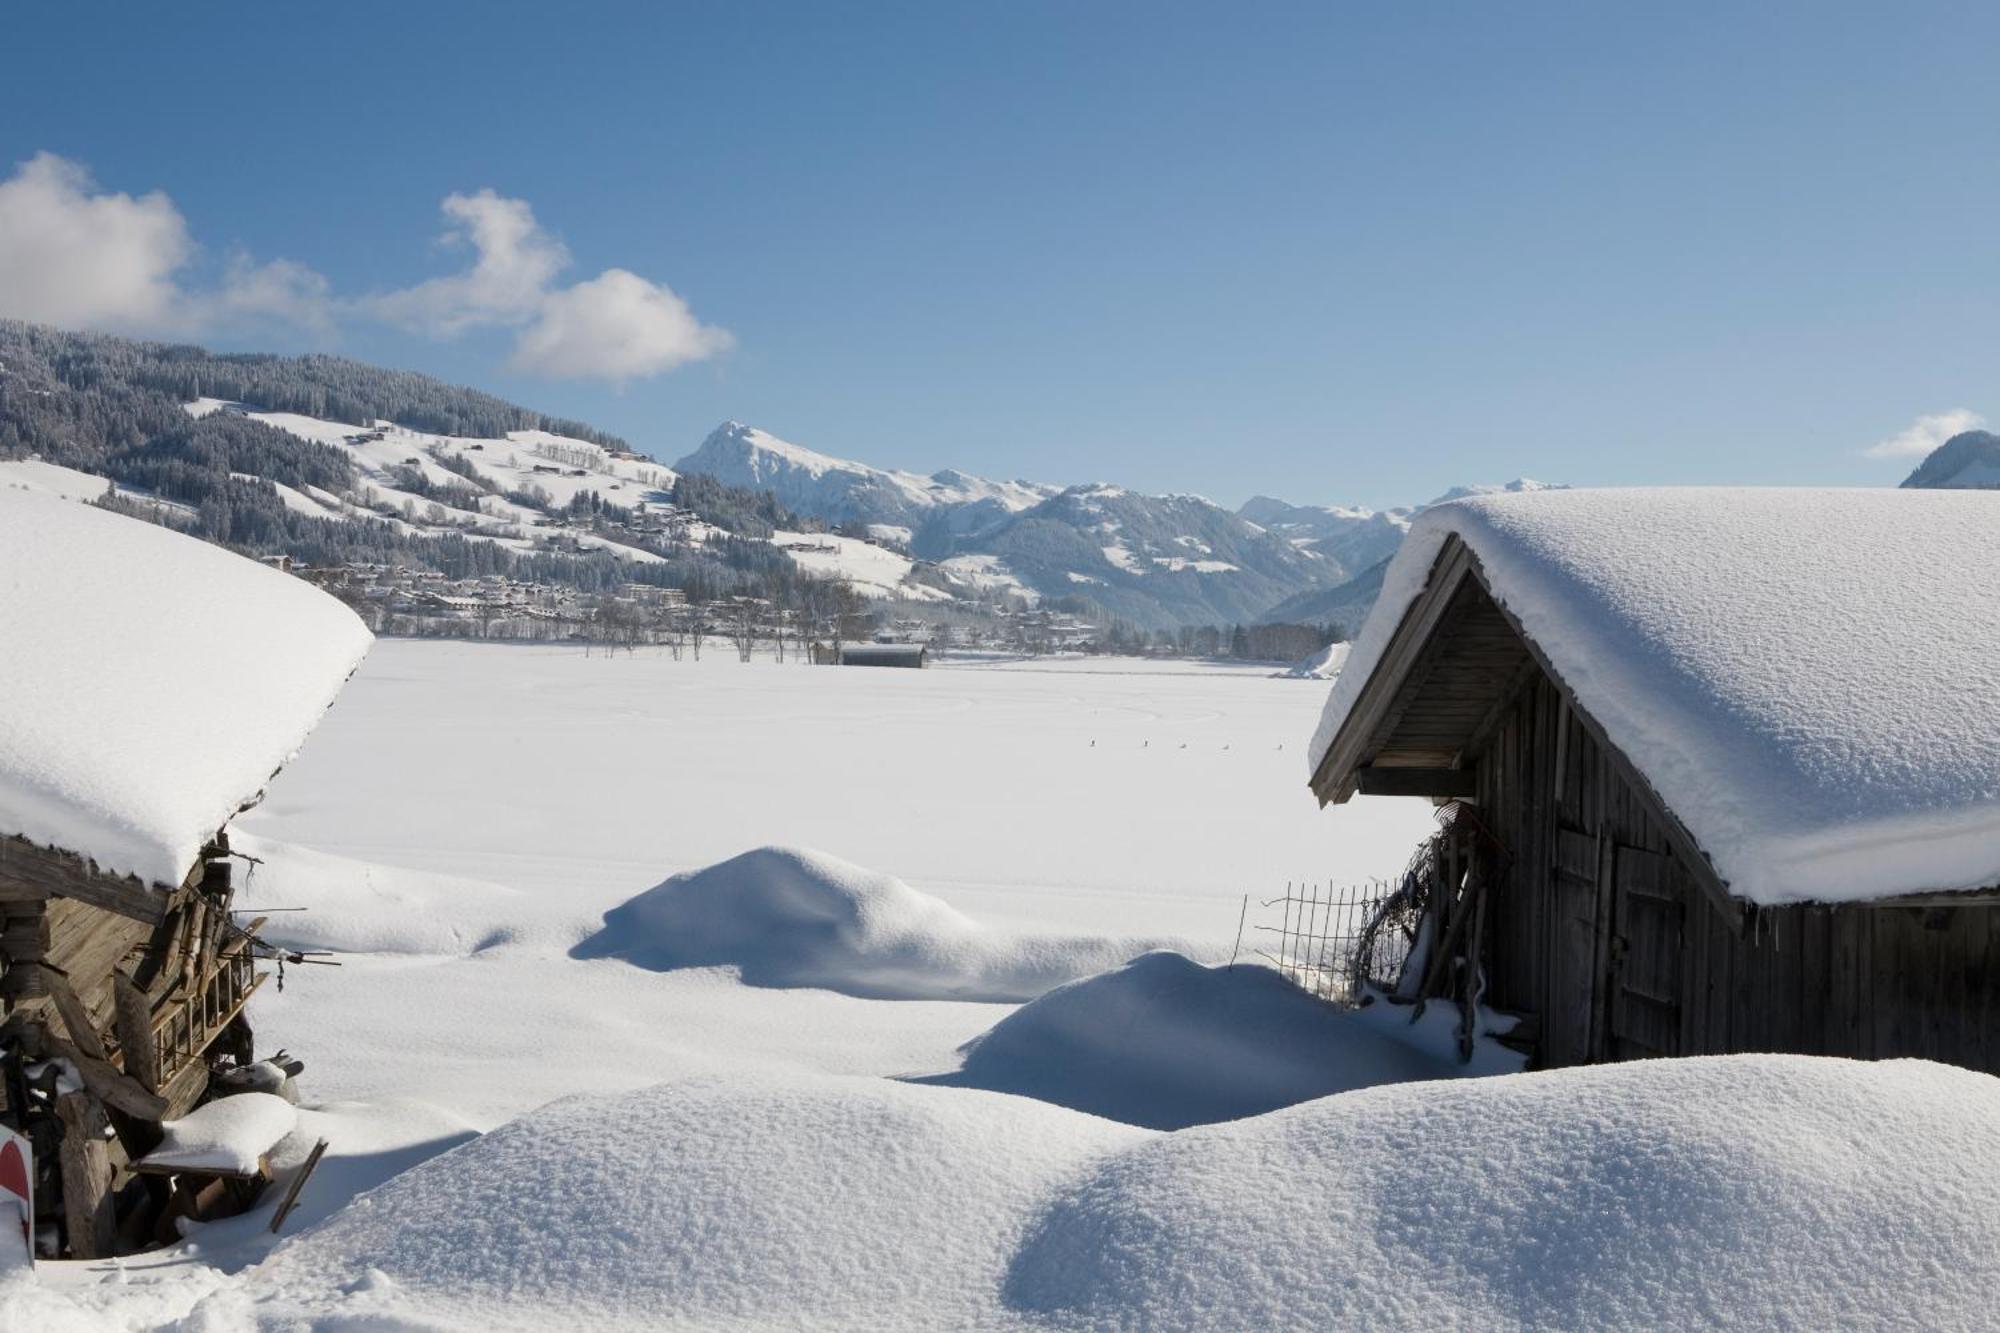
(467,815)
(600,1068)
(585,779)
(871,570)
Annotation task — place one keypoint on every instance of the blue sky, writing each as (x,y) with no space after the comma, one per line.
(1338,253)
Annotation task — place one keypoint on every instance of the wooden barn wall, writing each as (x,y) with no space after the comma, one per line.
(1616,951)
(87,944)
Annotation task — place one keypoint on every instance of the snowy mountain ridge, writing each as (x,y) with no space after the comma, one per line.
(841,490)
(1156,560)
(1969,460)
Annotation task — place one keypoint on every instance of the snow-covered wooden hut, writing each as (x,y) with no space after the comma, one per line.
(884,654)
(1729,763)
(150,686)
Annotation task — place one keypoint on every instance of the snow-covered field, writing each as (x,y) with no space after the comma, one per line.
(599,1066)
(467,814)
(1108,795)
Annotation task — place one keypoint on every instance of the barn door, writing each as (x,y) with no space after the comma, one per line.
(1574,975)
(1644,972)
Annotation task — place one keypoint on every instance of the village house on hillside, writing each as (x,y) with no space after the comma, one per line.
(1721,768)
(153,686)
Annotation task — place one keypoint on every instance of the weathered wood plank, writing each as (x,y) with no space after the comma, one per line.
(110,1085)
(76,1020)
(1814,995)
(1694,979)
(298,1183)
(1433,782)
(183,1088)
(134,1021)
(1333,780)
(88,1219)
(63,875)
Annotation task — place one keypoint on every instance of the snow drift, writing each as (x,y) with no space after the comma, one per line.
(802,1203)
(1806,676)
(1325,664)
(1746,1191)
(1166,1043)
(364,907)
(787,917)
(129,732)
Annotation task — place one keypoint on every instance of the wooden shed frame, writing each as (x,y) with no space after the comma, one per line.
(1464,704)
(140,988)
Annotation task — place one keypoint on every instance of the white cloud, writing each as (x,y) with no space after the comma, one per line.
(72,255)
(617,326)
(75,255)
(80,256)
(280,292)
(515,263)
(1925,434)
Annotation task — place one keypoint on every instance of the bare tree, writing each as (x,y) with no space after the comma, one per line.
(813,611)
(743,627)
(849,620)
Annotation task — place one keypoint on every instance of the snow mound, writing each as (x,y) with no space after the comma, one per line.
(802,1203)
(1742,1191)
(1165,1042)
(31,474)
(787,917)
(1739,1191)
(229,1134)
(153,683)
(1322,665)
(363,907)
(1806,676)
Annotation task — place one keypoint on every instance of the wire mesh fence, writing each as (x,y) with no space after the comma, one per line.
(1336,940)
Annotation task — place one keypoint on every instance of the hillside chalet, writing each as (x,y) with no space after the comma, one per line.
(154,685)
(1720,768)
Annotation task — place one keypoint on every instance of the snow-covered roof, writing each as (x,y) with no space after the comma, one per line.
(1810,679)
(152,682)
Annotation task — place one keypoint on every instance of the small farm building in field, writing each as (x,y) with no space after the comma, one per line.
(153,686)
(882,654)
(1722,767)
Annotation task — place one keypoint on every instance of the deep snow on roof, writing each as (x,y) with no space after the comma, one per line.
(1809,678)
(152,682)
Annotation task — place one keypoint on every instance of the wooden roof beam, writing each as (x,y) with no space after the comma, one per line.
(1444,783)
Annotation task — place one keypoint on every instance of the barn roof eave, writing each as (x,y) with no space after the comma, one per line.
(1337,779)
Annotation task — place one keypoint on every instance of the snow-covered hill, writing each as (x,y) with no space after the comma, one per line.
(1518,486)
(503,490)
(1157,561)
(1967,461)
(840,490)
(1356,543)
(1350,538)
(1346,604)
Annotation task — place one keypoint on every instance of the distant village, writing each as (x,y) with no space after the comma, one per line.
(413,602)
